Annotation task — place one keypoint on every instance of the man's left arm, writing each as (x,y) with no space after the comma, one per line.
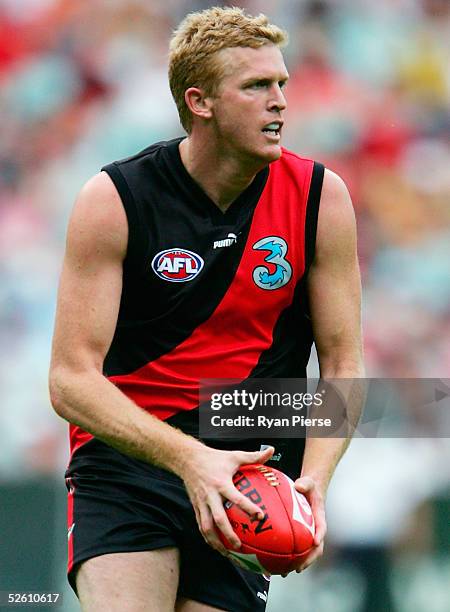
(334,289)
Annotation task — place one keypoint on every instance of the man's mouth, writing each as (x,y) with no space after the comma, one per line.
(273,129)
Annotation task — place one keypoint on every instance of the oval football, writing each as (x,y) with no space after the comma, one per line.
(278,541)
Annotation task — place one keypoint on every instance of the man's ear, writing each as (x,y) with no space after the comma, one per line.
(198,103)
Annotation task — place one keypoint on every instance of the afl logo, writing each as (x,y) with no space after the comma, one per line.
(177,265)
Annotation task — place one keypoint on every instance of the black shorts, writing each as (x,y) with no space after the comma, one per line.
(120,504)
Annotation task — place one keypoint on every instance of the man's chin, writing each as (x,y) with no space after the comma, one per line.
(259,157)
(277,152)
(270,153)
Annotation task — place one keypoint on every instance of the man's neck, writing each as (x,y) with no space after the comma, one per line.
(223,179)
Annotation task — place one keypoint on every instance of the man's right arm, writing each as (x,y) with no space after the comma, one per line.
(87,311)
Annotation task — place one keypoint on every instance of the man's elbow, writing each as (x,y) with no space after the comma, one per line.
(56,391)
(58,386)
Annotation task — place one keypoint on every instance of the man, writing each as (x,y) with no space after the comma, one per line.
(159,289)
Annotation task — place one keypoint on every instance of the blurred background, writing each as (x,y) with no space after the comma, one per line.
(82,83)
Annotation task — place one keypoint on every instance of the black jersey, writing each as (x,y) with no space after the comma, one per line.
(208,294)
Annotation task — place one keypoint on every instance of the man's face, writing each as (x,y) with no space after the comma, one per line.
(249,104)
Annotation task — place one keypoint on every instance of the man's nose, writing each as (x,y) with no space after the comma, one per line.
(277,100)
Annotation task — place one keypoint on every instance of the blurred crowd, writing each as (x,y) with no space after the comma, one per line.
(83,83)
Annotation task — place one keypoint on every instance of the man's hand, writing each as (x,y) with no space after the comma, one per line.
(308,487)
(208,477)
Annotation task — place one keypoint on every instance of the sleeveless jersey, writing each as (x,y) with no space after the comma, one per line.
(208,294)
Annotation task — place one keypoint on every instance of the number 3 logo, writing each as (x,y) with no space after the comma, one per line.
(262,276)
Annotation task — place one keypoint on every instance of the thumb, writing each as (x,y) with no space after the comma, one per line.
(256,456)
(304,484)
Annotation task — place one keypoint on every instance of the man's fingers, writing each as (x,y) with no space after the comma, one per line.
(321,529)
(307,486)
(313,556)
(244,503)
(265,455)
(245,458)
(208,531)
(304,484)
(221,520)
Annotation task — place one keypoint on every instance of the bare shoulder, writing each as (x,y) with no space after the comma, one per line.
(336,231)
(91,278)
(98,221)
(334,283)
